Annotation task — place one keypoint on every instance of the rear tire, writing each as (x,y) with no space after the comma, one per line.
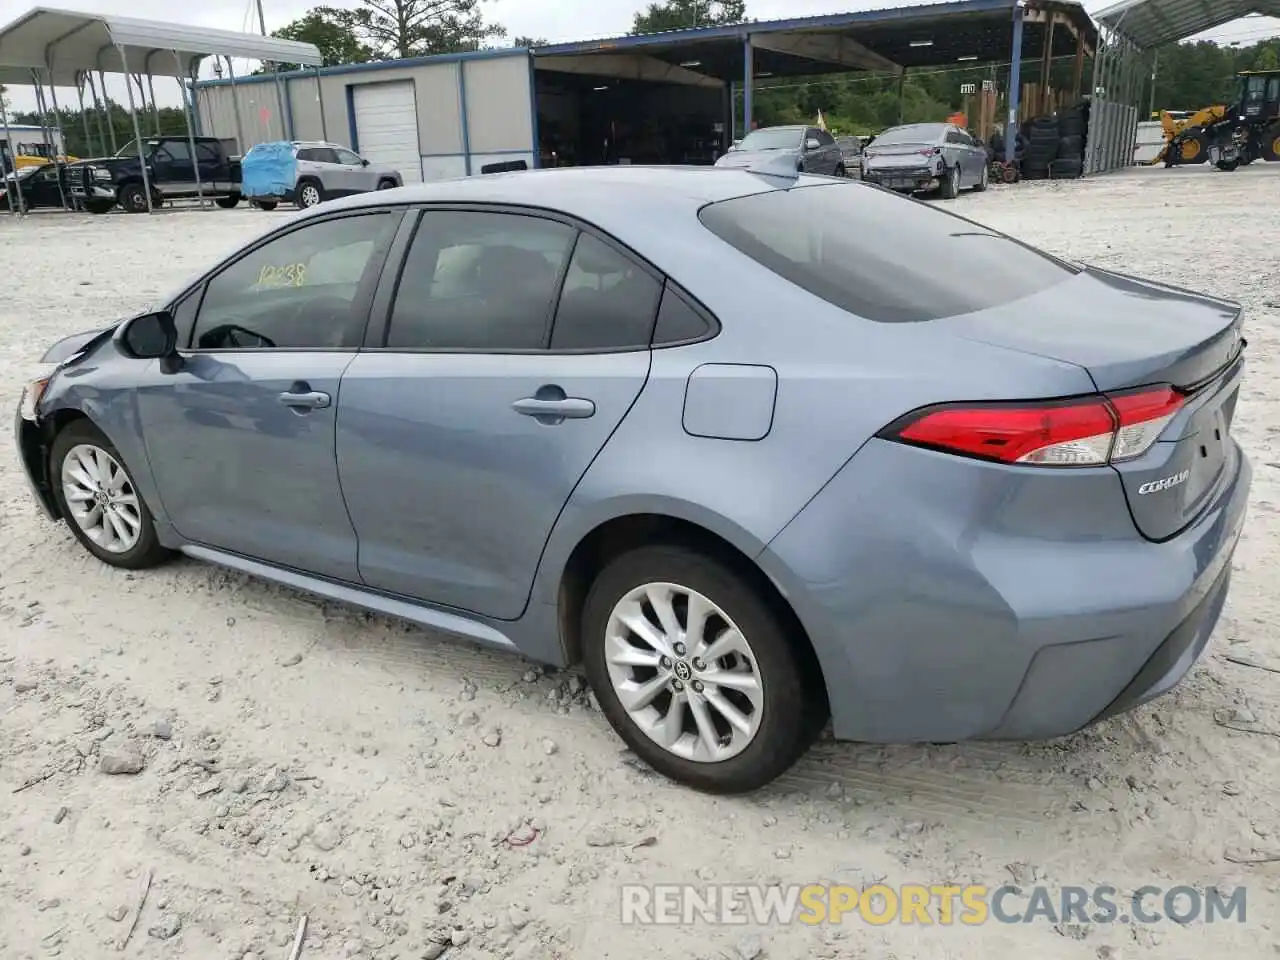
(99,500)
(950,188)
(310,194)
(99,207)
(386,184)
(841,172)
(267,205)
(763,678)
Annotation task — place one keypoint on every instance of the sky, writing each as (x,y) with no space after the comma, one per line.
(554,20)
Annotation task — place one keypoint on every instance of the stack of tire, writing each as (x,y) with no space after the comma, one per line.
(1042,137)
(1069,163)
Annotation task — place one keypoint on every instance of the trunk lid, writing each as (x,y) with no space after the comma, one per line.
(1129,333)
(900,155)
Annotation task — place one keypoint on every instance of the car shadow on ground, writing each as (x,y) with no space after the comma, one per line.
(979,783)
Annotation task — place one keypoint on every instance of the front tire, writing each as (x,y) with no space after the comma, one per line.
(984,179)
(386,184)
(696,672)
(841,172)
(99,500)
(229,202)
(133,198)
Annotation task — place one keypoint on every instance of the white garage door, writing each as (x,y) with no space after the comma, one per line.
(387,126)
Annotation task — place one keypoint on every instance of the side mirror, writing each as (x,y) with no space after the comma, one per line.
(364,162)
(812,143)
(152,336)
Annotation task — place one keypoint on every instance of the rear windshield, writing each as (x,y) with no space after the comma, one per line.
(917,133)
(778,138)
(879,255)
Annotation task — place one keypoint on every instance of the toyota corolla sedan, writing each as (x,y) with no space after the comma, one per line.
(756,450)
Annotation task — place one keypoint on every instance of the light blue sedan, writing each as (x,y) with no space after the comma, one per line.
(756,449)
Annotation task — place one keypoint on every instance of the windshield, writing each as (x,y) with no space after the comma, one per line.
(130,149)
(778,138)
(916,133)
(831,241)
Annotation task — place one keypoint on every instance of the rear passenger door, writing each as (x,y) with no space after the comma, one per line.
(511,347)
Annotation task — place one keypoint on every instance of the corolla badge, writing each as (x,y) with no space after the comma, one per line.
(1168,483)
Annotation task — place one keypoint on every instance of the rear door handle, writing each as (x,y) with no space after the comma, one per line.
(307,400)
(572,408)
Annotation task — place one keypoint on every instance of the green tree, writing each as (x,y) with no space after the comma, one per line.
(529,42)
(325,27)
(683,14)
(415,28)
(1267,59)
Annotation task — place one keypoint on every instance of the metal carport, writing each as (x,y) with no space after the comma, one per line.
(56,44)
(894,40)
(1130,33)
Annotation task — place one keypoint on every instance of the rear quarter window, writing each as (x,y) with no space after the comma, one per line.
(881,256)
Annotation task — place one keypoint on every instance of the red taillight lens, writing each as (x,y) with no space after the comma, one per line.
(930,151)
(1088,431)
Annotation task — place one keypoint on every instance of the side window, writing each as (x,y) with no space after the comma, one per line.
(206,153)
(324,155)
(299,290)
(347,158)
(679,321)
(826,139)
(184,315)
(305,154)
(479,281)
(1273,89)
(176,149)
(608,301)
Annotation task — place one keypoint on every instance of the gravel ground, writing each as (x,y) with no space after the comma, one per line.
(295,758)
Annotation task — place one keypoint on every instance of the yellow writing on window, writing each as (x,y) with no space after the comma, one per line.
(286,275)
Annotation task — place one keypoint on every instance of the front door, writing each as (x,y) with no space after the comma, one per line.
(357,177)
(464,428)
(241,438)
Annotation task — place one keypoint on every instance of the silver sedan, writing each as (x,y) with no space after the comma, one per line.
(926,156)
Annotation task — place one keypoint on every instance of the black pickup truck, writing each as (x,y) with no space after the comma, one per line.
(100,184)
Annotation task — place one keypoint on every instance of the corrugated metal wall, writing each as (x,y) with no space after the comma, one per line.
(1120,69)
(498,125)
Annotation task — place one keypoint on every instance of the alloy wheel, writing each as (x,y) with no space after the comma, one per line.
(684,672)
(101,499)
(310,196)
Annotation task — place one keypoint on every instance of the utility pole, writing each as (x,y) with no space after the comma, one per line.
(1155,63)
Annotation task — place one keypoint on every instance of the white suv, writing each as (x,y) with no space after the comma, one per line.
(327,170)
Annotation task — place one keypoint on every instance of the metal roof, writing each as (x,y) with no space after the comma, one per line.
(66,41)
(1154,23)
(954,32)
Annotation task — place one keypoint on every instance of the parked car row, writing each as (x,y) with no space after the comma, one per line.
(99,185)
(912,158)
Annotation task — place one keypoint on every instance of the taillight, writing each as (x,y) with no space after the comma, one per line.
(1081,432)
(930,152)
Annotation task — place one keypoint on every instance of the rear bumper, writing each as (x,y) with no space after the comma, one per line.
(941,610)
(912,180)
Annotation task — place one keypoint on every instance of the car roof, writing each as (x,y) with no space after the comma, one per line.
(592,194)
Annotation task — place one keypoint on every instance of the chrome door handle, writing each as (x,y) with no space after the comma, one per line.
(572,408)
(312,400)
